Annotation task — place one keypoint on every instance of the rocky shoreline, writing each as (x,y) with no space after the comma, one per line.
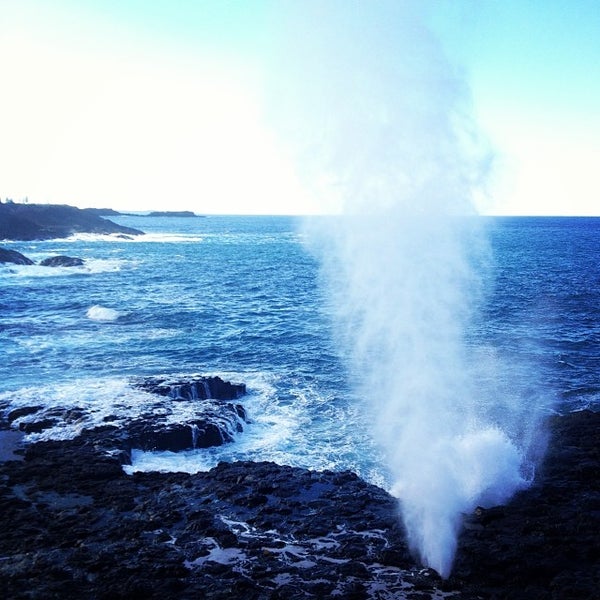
(27,222)
(59,260)
(73,524)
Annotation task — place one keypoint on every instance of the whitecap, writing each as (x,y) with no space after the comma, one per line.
(98,237)
(147,237)
(108,265)
(173,238)
(91,266)
(102,313)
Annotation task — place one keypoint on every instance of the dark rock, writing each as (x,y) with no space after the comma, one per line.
(196,388)
(198,433)
(546,537)
(74,525)
(12,256)
(49,221)
(103,212)
(62,261)
(11,443)
(37,426)
(217,423)
(17,413)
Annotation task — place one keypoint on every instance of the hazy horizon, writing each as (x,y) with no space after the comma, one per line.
(144,212)
(262,107)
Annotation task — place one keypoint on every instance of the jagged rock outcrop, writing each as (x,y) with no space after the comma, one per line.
(217,419)
(199,388)
(212,421)
(49,221)
(217,425)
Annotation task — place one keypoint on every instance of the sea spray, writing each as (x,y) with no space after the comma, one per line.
(402,290)
(386,136)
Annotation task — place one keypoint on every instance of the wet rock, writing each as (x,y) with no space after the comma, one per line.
(74,525)
(62,261)
(194,388)
(213,430)
(544,540)
(37,426)
(212,420)
(23,411)
(14,257)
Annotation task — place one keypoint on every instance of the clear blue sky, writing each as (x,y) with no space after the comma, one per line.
(270,106)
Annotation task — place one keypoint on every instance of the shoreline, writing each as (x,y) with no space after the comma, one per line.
(75,525)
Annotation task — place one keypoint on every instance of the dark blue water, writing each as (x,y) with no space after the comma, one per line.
(544,309)
(240,297)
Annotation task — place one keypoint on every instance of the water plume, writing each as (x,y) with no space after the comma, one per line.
(386,135)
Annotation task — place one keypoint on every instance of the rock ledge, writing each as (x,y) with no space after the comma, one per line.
(74,525)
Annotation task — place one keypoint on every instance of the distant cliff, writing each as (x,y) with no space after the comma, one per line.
(103,212)
(171,213)
(49,221)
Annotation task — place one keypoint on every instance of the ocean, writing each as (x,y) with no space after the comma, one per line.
(243,297)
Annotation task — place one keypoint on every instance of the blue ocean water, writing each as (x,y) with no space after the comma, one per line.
(241,297)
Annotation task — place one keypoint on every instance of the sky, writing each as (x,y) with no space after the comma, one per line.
(291,106)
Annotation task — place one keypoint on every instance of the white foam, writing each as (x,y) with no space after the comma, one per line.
(98,237)
(149,237)
(283,423)
(91,266)
(107,265)
(100,402)
(108,401)
(102,313)
(223,556)
(281,430)
(170,238)
(267,437)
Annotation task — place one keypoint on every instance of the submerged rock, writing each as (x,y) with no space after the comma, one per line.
(62,261)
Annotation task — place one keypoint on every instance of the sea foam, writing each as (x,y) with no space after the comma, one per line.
(91,266)
(102,313)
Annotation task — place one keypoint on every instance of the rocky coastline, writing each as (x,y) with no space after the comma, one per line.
(14,257)
(74,524)
(28,222)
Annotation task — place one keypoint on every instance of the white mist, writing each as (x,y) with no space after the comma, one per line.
(404,291)
(384,133)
